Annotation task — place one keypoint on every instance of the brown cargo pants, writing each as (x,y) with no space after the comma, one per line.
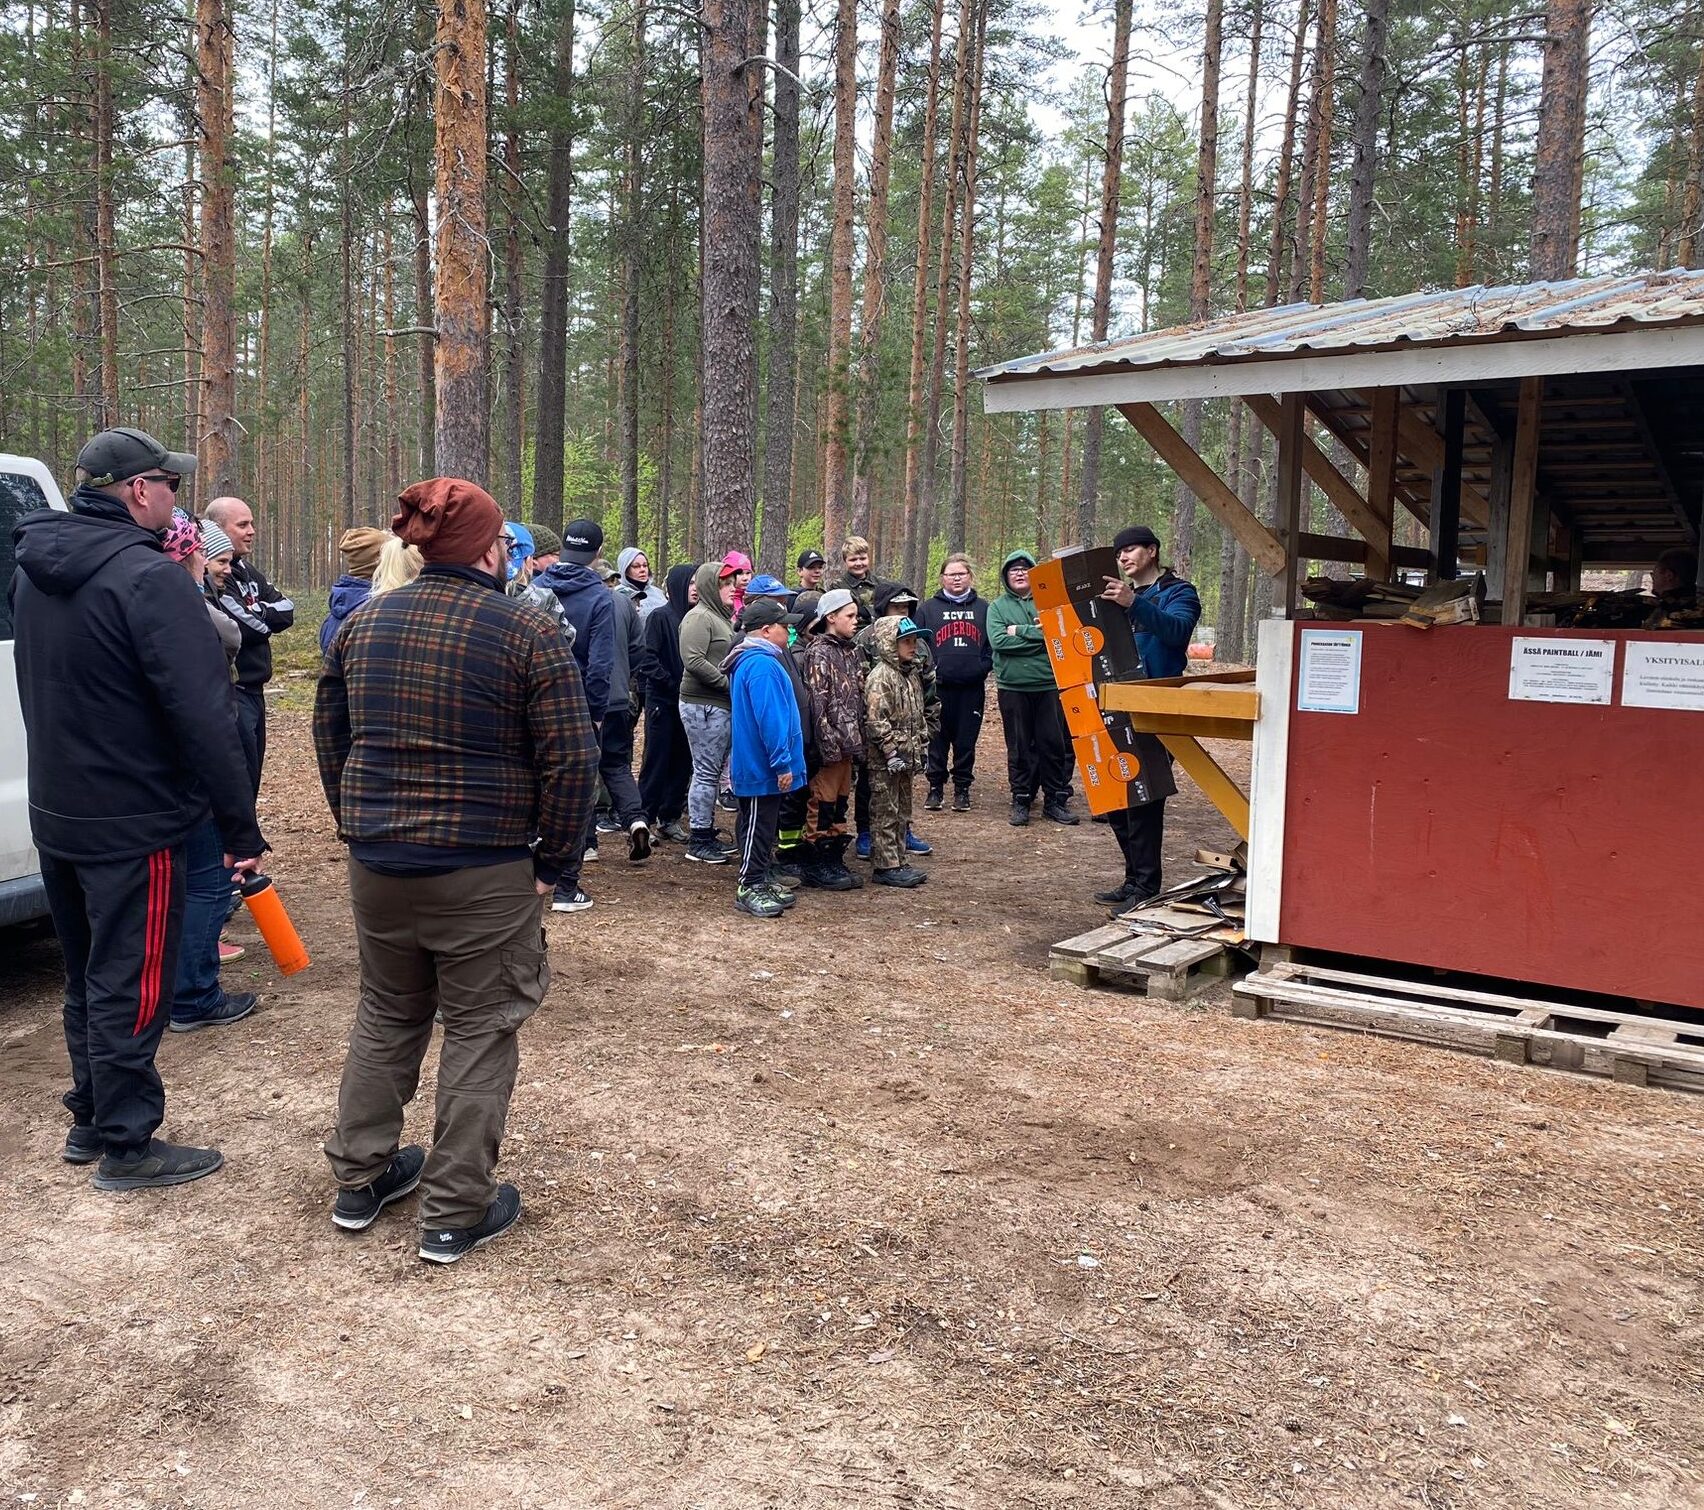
(470,945)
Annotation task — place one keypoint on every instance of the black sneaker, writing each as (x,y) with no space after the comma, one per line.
(639,841)
(608,824)
(569,900)
(356,1210)
(234,1008)
(905,876)
(1126,894)
(726,801)
(758,902)
(782,894)
(707,852)
(933,802)
(82,1145)
(1020,814)
(1056,809)
(444,1245)
(675,832)
(158,1164)
(961,802)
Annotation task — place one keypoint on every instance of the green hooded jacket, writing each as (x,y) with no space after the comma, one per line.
(1021,662)
(706,636)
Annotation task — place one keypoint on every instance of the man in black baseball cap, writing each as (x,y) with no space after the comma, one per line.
(129,750)
(811,567)
(118,455)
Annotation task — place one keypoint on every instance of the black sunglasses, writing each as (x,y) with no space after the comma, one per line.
(170,481)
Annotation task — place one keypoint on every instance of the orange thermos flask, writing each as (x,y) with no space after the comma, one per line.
(275,926)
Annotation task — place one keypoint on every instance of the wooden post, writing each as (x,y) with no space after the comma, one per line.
(1290,494)
(1446,486)
(1381,480)
(1341,493)
(1523,484)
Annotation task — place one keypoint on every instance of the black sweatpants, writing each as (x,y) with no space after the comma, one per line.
(757,820)
(666,767)
(1038,752)
(961,726)
(615,765)
(1140,832)
(119,924)
(860,797)
(251,726)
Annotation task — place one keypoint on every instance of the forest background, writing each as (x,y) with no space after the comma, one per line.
(720,276)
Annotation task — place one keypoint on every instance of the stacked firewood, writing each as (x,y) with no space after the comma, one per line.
(1342,599)
(1624,609)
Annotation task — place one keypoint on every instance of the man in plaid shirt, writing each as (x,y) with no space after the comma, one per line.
(459,760)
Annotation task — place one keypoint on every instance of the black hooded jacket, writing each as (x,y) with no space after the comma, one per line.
(123,685)
(660,678)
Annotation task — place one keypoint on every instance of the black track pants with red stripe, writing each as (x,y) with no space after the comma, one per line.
(119,922)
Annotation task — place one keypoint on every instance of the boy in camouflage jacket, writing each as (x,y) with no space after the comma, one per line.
(896,739)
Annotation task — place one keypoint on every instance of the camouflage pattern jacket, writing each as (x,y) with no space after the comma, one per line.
(834,676)
(894,723)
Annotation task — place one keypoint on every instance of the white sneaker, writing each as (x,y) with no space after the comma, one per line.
(591,855)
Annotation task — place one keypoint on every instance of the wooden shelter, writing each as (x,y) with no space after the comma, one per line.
(1500,798)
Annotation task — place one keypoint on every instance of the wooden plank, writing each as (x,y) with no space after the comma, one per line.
(1200,728)
(1290,438)
(1523,486)
(1381,480)
(1446,488)
(1314,547)
(1207,774)
(1260,543)
(1086,944)
(1211,701)
(1344,495)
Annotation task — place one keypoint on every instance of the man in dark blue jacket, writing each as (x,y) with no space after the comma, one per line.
(589,607)
(1164,610)
(118,666)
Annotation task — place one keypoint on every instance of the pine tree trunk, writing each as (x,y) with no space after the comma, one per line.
(264,447)
(875,269)
(732,221)
(783,290)
(837,410)
(914,392)
(1692,192)
(106,257)
(1286,161)
(549,431)
(393,420)
(463,313)
(345,263)
(514,264)
(1201,271)
(1324,92)
(1101,307)
(217,443)
(956,496)
(1559,154)
(632,232)
(1375,66)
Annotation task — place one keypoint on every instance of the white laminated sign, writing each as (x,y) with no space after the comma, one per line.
(1664,674)
(1561,670)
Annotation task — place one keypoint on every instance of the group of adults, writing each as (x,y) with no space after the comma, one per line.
(462,735)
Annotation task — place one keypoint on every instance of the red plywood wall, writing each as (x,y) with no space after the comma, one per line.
(1446,824)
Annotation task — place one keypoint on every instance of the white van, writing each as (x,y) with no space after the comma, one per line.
(25,485)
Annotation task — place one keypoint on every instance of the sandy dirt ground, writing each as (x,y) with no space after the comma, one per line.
(859,1209)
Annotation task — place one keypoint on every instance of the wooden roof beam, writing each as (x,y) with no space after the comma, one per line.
(1263,547)
(1642,424)
(1344,495)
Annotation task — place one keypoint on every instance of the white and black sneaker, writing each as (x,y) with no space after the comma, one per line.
(569,901)
(356,1210)
(444,1245)
(639,841)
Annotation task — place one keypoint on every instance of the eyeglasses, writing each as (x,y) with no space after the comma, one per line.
(167,478)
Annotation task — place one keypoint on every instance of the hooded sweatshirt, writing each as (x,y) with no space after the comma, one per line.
(706,636)
(659,678)
(893,703)
(128,727)
(587,605)
(347,594)
(1164,615)
(958,638)
(645,598)
(1021,662)
(767,736)
(629,658)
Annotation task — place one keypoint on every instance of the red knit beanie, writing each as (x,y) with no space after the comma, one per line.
(452,521)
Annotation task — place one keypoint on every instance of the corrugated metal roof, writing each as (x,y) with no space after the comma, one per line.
(1404,320)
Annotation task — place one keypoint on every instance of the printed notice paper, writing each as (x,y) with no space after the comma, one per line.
(1561,670)
(1659,675)
(1330,677)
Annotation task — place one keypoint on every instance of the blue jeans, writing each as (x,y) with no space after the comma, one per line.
(207,903)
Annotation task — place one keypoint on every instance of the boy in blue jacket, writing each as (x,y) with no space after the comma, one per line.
(768,754)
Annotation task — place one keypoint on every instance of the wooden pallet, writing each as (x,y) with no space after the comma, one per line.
(1153,964)
(1632,1049)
